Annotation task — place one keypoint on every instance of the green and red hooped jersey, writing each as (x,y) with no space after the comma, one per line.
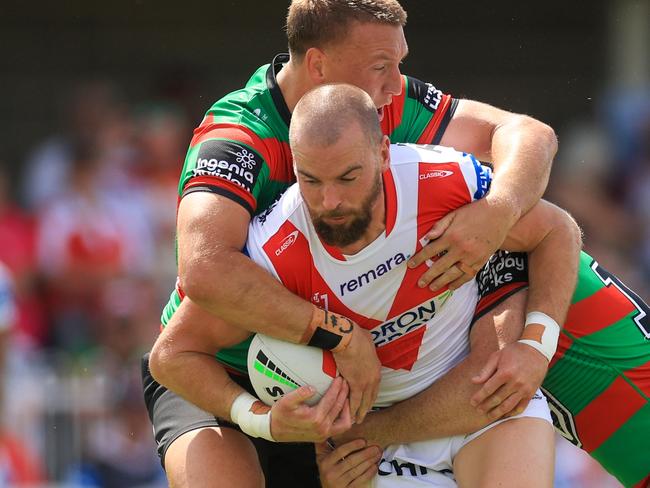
(598,384)
(241,149)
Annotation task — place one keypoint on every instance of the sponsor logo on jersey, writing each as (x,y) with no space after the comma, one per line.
(442,173)
(230,161)
(261,218)
(432,97)
(405,322)
(388,467)
(259,114)
(562,419)
(290,239)
(427,94)
(372,274)
(502,268)
(483,176)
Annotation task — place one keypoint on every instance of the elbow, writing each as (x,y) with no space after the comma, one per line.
(576,232)
(192,282)
(550,138)
(543,133)
(570,228)
(159,358)
(199,280)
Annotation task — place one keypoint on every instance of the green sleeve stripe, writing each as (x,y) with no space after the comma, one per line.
(171,307)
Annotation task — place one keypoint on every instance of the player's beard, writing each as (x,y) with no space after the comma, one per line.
(342,235)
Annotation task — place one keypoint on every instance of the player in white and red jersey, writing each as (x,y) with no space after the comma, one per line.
(419,334)
(341,238)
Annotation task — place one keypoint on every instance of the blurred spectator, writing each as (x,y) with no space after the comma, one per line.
(118,442)
(8,315)
(86,237)
(118,451)
(575,469)
(584,183)
(95,114)
(18,467)
(17,252)
(162,136)
(638,195)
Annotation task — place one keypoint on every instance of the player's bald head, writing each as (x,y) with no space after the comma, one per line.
(324,113)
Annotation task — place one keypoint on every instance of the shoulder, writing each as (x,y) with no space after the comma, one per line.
(278,221)
(440,166)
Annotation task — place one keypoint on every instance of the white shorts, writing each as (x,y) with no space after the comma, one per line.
(430,463)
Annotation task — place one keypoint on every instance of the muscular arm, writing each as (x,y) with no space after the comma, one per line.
(216,275)
(444,408)
(521,150)
(182,358)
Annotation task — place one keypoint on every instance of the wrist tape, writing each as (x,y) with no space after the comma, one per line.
(541,332)
(242,412)
(328,330)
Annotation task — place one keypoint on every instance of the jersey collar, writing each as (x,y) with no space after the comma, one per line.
(272,83)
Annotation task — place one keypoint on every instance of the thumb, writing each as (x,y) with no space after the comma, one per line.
(440,227)
(487,370)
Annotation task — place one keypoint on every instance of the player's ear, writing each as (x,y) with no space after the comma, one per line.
(385,153)
(315,63)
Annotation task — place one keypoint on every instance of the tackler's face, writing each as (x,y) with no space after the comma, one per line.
(368,56)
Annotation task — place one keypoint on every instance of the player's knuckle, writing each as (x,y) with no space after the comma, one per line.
(508,373)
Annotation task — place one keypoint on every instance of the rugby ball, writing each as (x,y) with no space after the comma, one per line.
(276,367)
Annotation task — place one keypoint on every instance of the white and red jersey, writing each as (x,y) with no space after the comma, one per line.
(419,334)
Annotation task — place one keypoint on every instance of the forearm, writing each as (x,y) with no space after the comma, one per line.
(553,270)
(522,153)
(246,296)
(201,380)
(216,275)
(553,257)
(520,148)
(444,408)
(183,358)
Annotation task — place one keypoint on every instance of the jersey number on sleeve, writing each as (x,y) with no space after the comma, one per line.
(642,317)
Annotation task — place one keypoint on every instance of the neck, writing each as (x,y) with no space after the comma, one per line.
(376,227)
(293,83)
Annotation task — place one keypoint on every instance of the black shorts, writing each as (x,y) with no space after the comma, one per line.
(173,416)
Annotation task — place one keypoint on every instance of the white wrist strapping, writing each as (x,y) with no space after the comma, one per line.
(548,346)
(255,425)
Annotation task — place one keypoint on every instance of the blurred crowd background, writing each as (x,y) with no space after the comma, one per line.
(99,101)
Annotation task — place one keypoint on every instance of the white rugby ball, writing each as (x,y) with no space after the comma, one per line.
(277,367)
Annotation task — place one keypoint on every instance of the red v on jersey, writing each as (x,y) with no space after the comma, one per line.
(418,333)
